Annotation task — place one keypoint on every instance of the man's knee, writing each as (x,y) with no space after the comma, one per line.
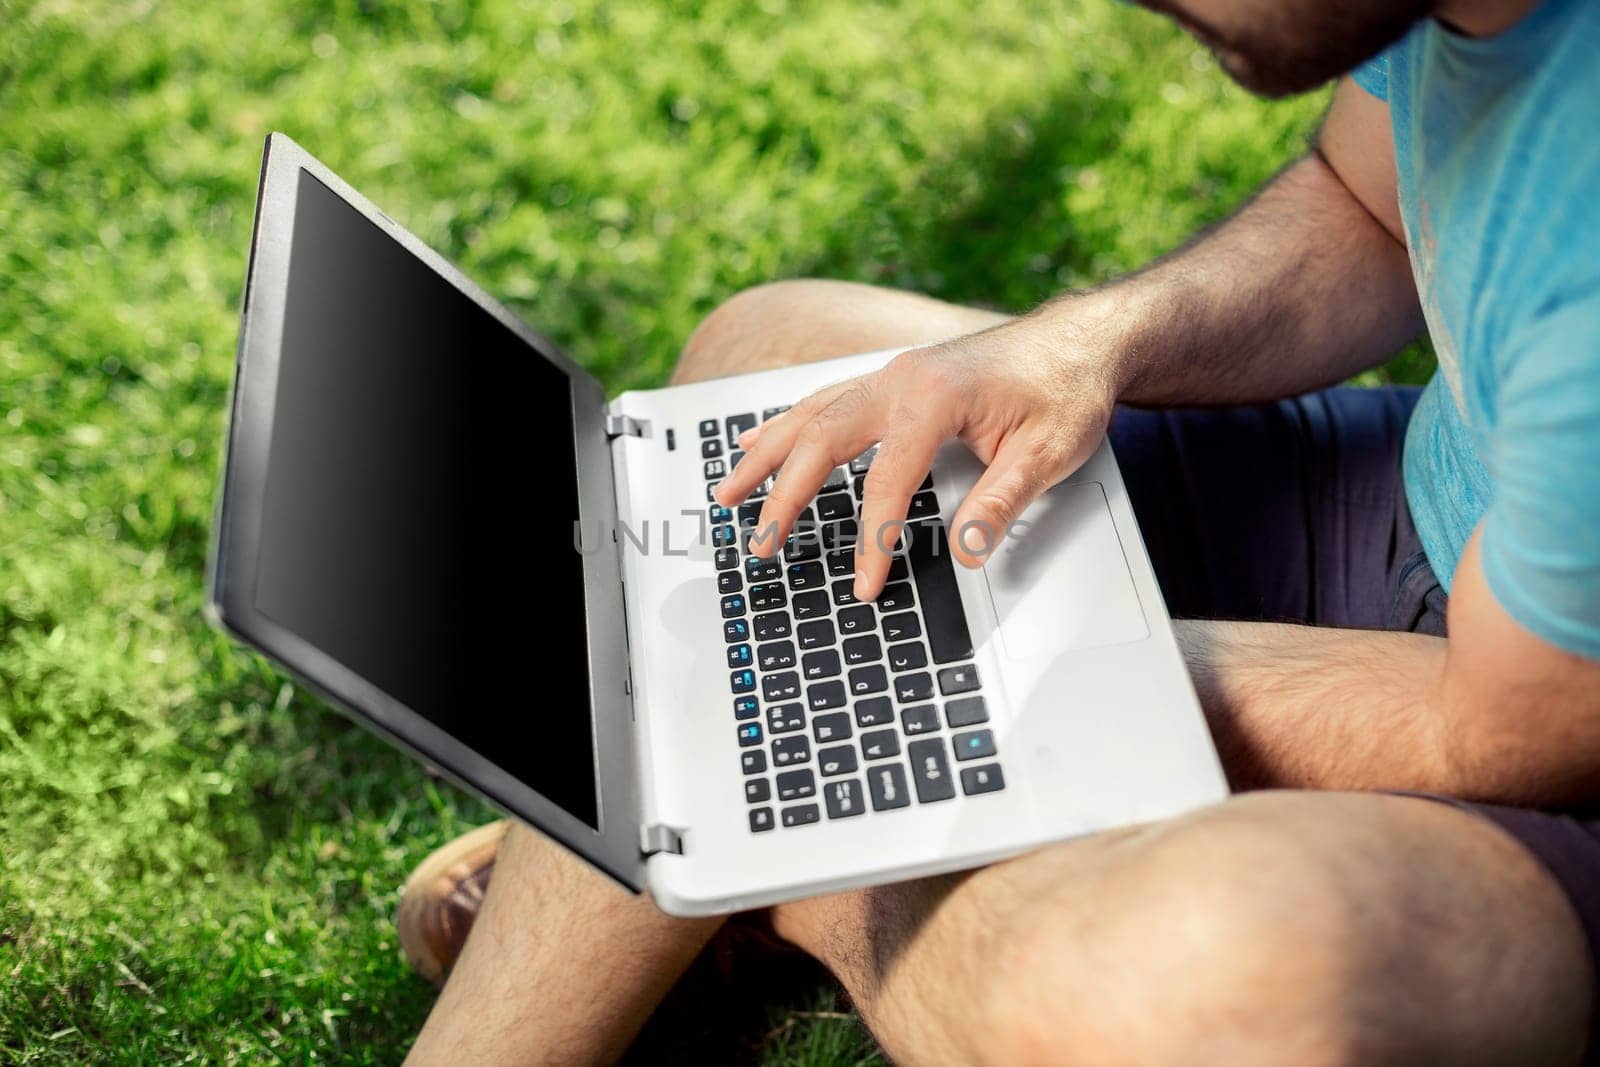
(752,330)
(1225,938)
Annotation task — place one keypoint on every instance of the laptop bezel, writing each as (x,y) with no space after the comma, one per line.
(231,572)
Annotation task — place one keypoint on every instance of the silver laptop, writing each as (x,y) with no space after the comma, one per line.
(440,522)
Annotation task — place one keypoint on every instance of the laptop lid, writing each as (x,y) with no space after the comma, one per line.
(406,464)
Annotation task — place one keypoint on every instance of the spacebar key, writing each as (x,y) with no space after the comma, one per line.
(934,572)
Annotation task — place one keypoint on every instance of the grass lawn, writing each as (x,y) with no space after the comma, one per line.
(198,861)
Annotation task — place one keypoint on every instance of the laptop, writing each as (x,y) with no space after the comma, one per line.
(442,524)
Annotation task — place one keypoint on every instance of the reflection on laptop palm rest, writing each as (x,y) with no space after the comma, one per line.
(1069,542)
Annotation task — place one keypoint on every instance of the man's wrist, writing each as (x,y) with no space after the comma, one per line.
(1109,329)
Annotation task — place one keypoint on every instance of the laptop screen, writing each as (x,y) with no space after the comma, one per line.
(420,497)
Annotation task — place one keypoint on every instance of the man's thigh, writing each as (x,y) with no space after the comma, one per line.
(1290,511)
(1274,928)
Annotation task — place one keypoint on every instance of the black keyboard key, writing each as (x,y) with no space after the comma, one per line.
(825,695)
(858,486)
(985,779)
(930,769)
(772,626)
(710,449)
(812,604)
(717,514)
(922,719)
(823,663)
(756,790)
(802,546)
(923,506)
(739,656)
(835,506)
(907,657)
(742,681)
(745,707)
(775,656)
(726,559)
(801,815)
(753,762)
(909,688)
(880,744)
(837,479)
(735,630)
(860,650)
(962,679)
(867,680)
(767,596)
(732,605)
(760,819)
(785,718)
(975,744)
(784,686)
(818,634)
(831,727)
(857,619)
(804,576)
(887,783)
(749,514)
(935,576)
(874,711)
(715,470)
(729,582)
(738,424)
(757,569)
(841,564)
(896,597)
(841,536)
(734,457)
(723,536)
(787,751)
(902,626)
(749,734)
(838,760)
(898,571)
(844,798)
(711,492)
(709,427)
(968,711)
(844,592)
(770,413)
(862,463)
(796,785)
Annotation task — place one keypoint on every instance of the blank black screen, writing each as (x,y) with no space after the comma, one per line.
(420,497)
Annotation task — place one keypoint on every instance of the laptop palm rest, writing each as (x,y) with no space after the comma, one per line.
(1060,583)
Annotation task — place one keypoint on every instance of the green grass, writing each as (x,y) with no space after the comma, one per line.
(198,862)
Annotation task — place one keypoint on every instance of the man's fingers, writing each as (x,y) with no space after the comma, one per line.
(1022,470)
(771,445)
(911,440)
(843,429)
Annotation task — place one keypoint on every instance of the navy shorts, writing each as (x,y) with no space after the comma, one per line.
(1295,512)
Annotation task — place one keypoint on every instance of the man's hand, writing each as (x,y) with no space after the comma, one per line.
(1030,407)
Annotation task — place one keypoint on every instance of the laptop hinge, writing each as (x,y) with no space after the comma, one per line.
(626,426)
(660,838)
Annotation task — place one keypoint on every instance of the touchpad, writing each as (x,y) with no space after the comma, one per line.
(1061,582)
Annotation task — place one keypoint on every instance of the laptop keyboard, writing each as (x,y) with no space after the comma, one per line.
(841,706)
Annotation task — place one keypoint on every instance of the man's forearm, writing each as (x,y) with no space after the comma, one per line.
(1299,289)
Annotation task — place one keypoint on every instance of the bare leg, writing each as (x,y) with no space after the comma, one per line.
(1276,928)
(562,966)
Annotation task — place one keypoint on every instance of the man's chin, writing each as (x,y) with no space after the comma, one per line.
(1273,81)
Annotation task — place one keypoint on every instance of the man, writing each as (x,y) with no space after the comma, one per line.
(1455,180)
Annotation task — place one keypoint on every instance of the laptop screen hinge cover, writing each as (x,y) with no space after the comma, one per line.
(658,837)
(626,426)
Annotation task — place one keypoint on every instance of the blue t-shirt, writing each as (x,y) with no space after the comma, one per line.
(1497,147)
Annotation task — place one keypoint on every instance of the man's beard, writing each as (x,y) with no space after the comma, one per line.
(1296,45)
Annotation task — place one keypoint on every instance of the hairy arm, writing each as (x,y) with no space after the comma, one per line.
(1306,285)
(1494,713)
